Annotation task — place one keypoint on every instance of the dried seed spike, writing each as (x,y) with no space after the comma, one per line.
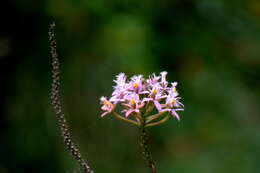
(56,102)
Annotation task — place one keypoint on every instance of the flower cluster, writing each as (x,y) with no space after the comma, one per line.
(144,102)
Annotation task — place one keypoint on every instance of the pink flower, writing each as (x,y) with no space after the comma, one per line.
(120,89)
(153,79)
(107,106)
(164,82)
(155,95)
(133,104)
(172,102)
(136,84)
(172,90)
(138,94)
(120,81)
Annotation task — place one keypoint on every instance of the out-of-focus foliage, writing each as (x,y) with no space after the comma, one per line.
(211,47)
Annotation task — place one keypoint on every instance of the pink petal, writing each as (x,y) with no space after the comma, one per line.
(173,112)
(105,113)
(144,92)
(157,105)
(179,109)
(146,100)
(128,112)
(127,105)
(141,105)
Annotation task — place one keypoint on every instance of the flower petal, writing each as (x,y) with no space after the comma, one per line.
(174,113)
(129,112)
(157,105)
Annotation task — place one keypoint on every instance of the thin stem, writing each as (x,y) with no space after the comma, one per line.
(148,109)
(124,119)
(56,103)
(158,122)
(139,117)
(146,152)
(153,117)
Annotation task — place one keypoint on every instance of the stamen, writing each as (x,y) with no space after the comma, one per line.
(154,91)
(106,102)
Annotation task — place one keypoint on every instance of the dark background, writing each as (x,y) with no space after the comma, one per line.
(211,47)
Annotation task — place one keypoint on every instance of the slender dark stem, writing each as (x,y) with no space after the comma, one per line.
(146,152)
(56,103)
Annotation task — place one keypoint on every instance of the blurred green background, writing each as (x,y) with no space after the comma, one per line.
(211,47)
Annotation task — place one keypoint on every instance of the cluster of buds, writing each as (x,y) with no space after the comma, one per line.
(144,102)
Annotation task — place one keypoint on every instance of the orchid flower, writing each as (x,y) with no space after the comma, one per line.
(139,97)
(120,89)
(107,106)
(144,103)
(136,84)
(155,95)
(172,102)
(133,104)
(164,82)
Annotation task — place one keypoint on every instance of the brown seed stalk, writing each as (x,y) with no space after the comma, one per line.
(56,103)
(145,150)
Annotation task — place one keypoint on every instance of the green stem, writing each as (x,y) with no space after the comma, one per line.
(139,117)
(153,117)
(158,122)
(124,119)
(149,109)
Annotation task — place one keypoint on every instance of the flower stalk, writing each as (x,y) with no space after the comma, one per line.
(153,117)
(145,150)
(145,103)
(124,119)
(158,122)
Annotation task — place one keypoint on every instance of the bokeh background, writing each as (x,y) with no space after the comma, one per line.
(211,47)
